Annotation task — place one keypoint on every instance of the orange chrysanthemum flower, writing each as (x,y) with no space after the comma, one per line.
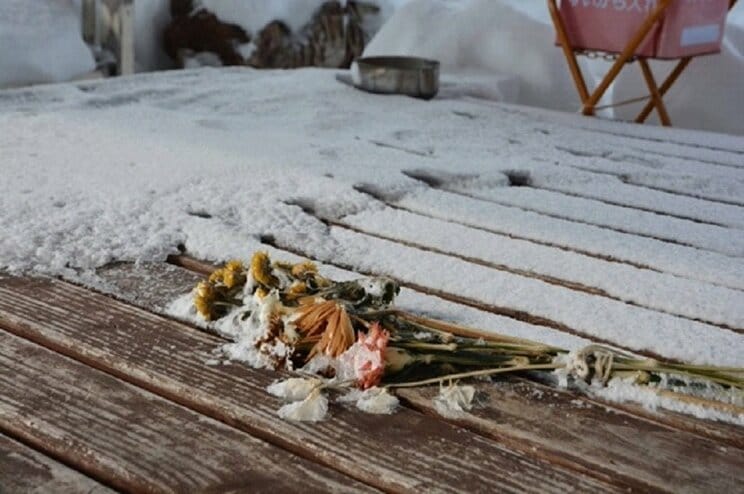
(328,325)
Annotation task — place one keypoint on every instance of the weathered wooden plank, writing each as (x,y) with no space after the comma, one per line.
(406,451)
(721,432)
(569,430)
(151,285)
(557,425)
(23,469)
(134,440)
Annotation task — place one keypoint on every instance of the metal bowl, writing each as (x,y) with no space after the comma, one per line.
(412,76)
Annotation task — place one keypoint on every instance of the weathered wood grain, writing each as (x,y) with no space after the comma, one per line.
(557,425)
(151,285)
(721,432)
(406,451)
(25,470)
(134,440)
(569,430)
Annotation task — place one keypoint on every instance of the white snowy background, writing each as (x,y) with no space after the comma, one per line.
(505,45)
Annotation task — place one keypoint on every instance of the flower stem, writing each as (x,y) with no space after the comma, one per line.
(681,370)
(484,372)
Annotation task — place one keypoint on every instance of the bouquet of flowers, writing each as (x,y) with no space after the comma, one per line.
(347,334)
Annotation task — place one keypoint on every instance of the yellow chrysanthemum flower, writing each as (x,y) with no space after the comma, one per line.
(217,276)
(303,268)
(261,292)
(261,270)
(203,297)
(296,290)
(234,274)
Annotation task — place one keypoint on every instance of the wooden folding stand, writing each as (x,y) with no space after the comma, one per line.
(656,93)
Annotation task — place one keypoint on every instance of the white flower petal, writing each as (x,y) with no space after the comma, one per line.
(454,400)
(294,388)
(314,408)
(377,401)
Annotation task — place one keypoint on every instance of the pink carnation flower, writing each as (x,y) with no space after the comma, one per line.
(364,361)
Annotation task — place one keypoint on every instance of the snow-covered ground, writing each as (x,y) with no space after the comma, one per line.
(509,42)
(625,234)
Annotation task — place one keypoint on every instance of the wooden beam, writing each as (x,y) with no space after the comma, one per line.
(656,96)
(23,469)
(134,440)
(405,451)
(718,431)
(553,424)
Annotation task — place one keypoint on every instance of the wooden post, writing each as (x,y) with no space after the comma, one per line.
(90,21)
(125,48)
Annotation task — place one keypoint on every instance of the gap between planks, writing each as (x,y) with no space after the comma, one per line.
(725,433)
(633,206)
(663,141)
(77,322)
(587,436)
(628,179)
(24,469)
(435,184)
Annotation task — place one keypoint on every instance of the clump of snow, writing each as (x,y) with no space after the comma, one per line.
(249,327)
(374,400)
(313,408)
(41,42)
(454,399)
(621,391)
(294,388)
(183,308)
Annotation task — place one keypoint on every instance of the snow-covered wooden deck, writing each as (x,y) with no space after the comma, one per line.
(536,224)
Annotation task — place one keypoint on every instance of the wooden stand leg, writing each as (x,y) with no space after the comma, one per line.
(568,52)
(665,86)
(654,92)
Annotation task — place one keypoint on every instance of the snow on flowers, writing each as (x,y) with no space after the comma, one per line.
(346,337)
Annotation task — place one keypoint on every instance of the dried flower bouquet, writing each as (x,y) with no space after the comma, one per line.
(348,335)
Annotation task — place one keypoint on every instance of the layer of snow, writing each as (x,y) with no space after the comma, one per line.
(696,264)
(216,160)
(40,42)
(640,286)
(634,328)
